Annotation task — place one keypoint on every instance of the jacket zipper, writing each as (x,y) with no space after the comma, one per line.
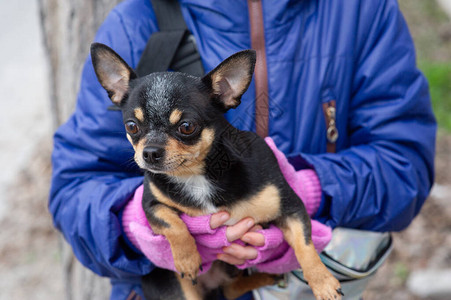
(330,114)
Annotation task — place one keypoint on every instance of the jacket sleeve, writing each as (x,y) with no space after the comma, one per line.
(94,174)
(381,181)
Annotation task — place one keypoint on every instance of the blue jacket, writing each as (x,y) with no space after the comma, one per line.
(358,53)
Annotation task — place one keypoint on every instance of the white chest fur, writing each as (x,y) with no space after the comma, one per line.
(199,189)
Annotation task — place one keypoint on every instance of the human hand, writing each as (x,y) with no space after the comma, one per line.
(266,249)
(244,230)
(212,238)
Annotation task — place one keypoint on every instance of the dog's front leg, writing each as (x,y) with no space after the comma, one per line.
(297,233)
(165,220)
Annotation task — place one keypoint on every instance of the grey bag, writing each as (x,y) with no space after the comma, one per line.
(352,256)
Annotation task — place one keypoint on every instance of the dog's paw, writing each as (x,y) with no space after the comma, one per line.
(326,287)
(188,265)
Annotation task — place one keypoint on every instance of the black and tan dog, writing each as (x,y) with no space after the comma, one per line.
(195,162)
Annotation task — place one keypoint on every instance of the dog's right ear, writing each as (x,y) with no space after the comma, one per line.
(112,72)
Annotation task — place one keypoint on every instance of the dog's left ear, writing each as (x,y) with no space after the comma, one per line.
(112,72)
(230,79)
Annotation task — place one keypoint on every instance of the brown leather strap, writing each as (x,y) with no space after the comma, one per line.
(134,296)
(261,74)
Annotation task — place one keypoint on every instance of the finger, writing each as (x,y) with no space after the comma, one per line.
(230,259)
(236,231)
(218,219)
(241,252)
(254,238)
(256,228)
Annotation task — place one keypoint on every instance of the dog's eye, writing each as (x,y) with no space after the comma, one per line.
(187,128)
(131,127)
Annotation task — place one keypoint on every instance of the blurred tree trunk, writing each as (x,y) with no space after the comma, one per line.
(68,28)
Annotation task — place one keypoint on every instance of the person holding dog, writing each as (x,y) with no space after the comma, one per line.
(350,118)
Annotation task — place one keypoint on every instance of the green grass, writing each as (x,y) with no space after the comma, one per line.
(439,77)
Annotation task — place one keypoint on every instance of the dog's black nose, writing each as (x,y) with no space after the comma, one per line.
(153,154)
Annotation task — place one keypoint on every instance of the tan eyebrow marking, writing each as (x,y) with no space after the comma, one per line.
(139,114)
(175,116)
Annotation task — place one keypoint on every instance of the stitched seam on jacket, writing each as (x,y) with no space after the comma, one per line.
(121,20)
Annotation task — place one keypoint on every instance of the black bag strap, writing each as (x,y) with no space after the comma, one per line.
(169,15)
(173,47)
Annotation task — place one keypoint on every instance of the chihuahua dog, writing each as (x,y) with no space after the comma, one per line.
(176,125)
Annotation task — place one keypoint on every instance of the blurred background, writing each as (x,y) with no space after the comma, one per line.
(42,46)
